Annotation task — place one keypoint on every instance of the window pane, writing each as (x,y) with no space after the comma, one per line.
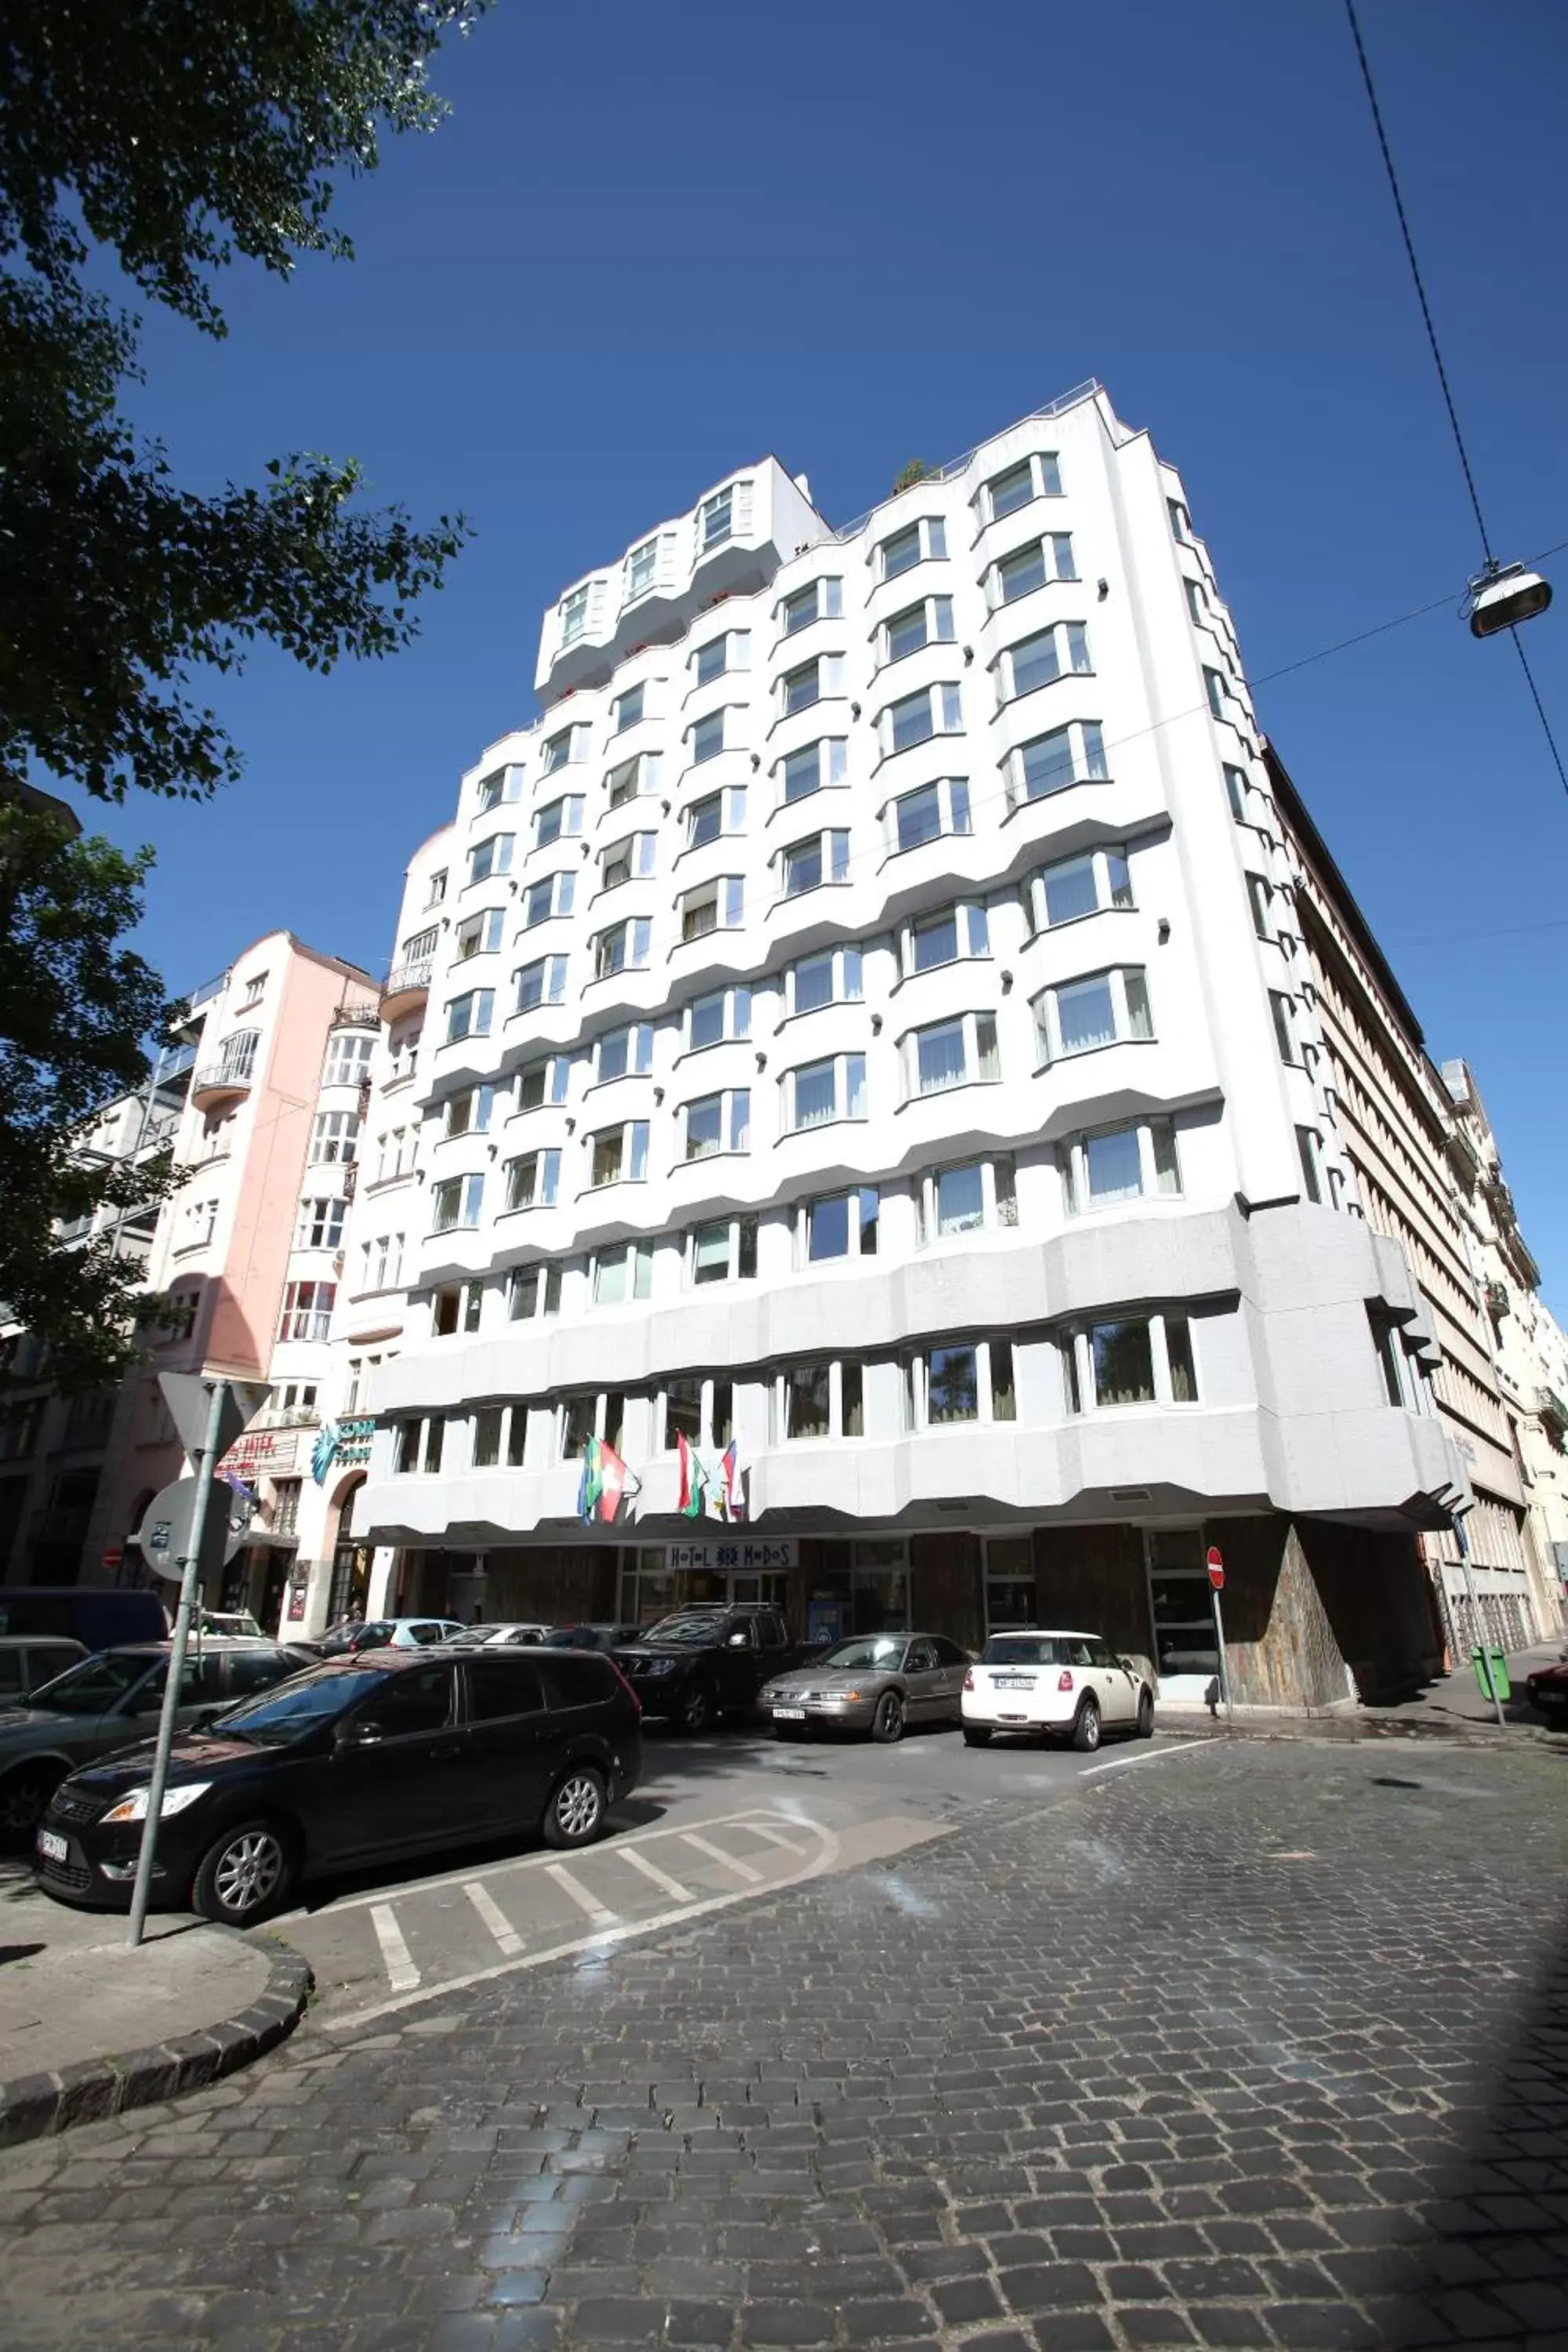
(706,821)
(1086,1013)
(1069,889)
(1123,1363)
(803,867)
(682,1413)
(907,632)
(486,1438)
(854,1086)
(710,1253)
(953,1385)
(1167,1168)
(1179,1357)
(1017,574)
(939,1057)
(960,1199)
(870,1201)
(610,1279)
(710,660)
(935,939)
(746,1253)
(920,817)
(707,1020)
(1112,1166)
(827,1227)
(1011,490)
(814,1095)
(803,773)
(852,1415)
(806,1400)
(813,983)
(704,1122)
(1048,764)
(900,552)
(1139,1023)
(1035,662)
(1004,1398)
(708,736)
(911,722)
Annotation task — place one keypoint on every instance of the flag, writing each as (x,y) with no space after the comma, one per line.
(693,1479)
(613,1477)
(590,1486)
(734,1493)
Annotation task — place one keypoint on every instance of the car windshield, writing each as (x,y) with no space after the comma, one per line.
(472,1635)
(686,1628)
(879,1650)
(92,1687)
(277,1716)
(1024,1650)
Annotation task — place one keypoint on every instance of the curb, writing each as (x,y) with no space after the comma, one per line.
(1341,1731)
(37,2106)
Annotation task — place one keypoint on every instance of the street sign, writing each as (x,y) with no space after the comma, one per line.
(164,1534)
(1216,1568)
(188,1397)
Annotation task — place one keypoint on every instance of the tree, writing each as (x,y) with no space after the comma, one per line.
(74,1007)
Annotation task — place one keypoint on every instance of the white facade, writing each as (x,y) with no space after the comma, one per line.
(869,1022)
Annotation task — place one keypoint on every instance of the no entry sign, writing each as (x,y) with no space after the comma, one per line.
(1216,1569)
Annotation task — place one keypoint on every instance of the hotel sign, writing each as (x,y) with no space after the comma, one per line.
(782,1552)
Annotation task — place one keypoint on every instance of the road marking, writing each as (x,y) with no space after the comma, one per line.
(401,1973)
(579,1894)
(1150,1755)
(717,1853)
(774,1837)
(492,1915)
(651,1870)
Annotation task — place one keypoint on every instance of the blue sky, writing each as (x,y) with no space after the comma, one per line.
(650,245)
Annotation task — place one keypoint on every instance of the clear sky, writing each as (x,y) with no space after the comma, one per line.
(650,245)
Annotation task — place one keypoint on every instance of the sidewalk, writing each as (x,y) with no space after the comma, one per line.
(87,2027)
(1452,1707)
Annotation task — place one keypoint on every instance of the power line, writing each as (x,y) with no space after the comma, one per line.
(1540,709)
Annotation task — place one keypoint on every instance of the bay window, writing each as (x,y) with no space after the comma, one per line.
(957,1053)
(642,571)
(1029,568)
(915,818)
(622,1273)
(558,820)
(544,1081)
(929,623)
(456,1201)
(955,1382)
(320,1224)
(627,708)
(565,749)
(1136,1162)
(820,1092)
(731,651)
(619,1154)
(943,936)
(533,1180)
(458,1306)
(471,1016)
(633,778)
(552,895)
(1051,763)
(813,767)
(821,1400)
(1129,1360)
(490,1423)
(724,1014)
(533,1292)
(1037,476)
(715,906)
(839,1224)
(348,1058)
(719,1122)
(593,1413)
(573,615)
(807,865)
(468,1113)
(1060,651)
(813,681)
(1104,1008)
(965,1198)
(699,1408)
(724,1251)
(819,600)
(481,934)
(307,1310)
(501,784)
(834,977)
(707,737)
(334,1137)
(716,519)
(419,1444)
(622,948)
(491,855)
(714,814)
(919,542)
(934,711)
(1071,887)
(624,1053)
(626,860)
(544,982)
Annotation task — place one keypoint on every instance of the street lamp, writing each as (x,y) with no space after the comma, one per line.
(1503,595)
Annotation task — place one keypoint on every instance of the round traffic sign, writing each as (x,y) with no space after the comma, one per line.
(1215,1567)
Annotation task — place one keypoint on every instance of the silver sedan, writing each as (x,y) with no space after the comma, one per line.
(877,1682)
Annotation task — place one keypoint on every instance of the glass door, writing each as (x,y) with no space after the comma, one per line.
(1186,1645)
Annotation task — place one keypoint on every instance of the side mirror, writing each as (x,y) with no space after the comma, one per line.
(356,1733)
(737,1641)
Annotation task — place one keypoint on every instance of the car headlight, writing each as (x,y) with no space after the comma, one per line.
(133,1808)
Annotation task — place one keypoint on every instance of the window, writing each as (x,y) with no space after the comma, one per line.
(1310,1150)
(455,1201)
(551,894)
(965,1198)
(720,1122)
(1031,567)
(563,750)
(1054,762)
(1038,476)
(1214,687)
(1058,651)
(624,1053)
(334,1137)
(601,1415)
(958,1382)
(807,864)
(501,784)
(1071,887)
(419,1447)
(1400,1380)
(715,519)
(255,989)
(732,651)
(622,948)
(532,1180)
(633,778)
(841,1224)
(1197,602)
(717,905)
(544,982)
(724,1251)
(479,935)
(1099,1009)
(348,1058)
(573,615)
(558,819)
(682,1412)
(622,1273)
(491,855)
(488,1436)
(467,1113)
(1130,1359)
(814,765)
(922,541)
(934,711)
(806,1391)
(533,1291)
(943,936)
(834,977)
(925,816)
(952,1053)
(813,681)
(642,570)
(627,708)
(321,1224)
(237,1058)
(544,1081)
(1284,1028)
(1134,1162)
(725,1014)
(620,1154)
(627,860)
(437,888)
(1181,522)
(381,1264)
(307,1310)
(1259,895)
(469,1017)
(708,737)
(458,1306)
(1236,791)
(822,599)
(820,1092)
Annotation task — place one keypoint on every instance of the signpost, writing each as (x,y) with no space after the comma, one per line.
(1216,1565)
(176,1530)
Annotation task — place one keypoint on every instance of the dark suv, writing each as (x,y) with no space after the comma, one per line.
(360,1760)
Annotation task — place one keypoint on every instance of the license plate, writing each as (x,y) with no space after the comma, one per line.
(52,1848)
(1013,1682)
(1013,1718)
(789,1715)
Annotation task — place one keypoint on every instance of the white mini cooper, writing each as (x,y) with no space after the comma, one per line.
(1055,1686)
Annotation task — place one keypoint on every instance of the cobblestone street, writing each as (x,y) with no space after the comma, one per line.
(1251,2044)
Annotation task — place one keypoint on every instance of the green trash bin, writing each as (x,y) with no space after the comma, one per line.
(1499,1682)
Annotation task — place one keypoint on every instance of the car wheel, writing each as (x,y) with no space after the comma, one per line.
(245,1875)
(575,1813)
(888,1723)
(697,1711)
(1086,1730)
(25,1798)
(976,1735)
(1145,1715)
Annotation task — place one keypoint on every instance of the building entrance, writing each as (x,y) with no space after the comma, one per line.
(1186,1642)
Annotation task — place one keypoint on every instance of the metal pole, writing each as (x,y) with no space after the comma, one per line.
(191,1567)
(1464,1543)
(1223,1660)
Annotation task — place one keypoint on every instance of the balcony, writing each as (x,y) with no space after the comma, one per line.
(405,988)
(356,1012)
(220,1083)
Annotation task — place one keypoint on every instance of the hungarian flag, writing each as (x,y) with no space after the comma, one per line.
(693,1479)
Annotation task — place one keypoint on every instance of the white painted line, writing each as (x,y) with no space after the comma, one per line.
(774,1837)
(717,1853)
(492,1915)
(651,1870)
(579,1894)
(401,1973)
(1150,1755)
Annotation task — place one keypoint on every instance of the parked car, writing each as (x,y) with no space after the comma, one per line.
(359,1634)
(698,1664)
(594,1637)
(1548,1689)
(877,1682)
(1055,1684)
(504,1634)
(28,1660)
(107,1701)
(393,1752)
(100,1616)
(229,1621)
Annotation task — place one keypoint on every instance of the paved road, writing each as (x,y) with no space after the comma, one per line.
(1245,2044)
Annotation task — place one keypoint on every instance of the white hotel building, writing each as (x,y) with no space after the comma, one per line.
(868,1019)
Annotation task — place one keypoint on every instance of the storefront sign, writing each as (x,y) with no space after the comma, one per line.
(341,1444)
(782,1552)
(260,1452)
